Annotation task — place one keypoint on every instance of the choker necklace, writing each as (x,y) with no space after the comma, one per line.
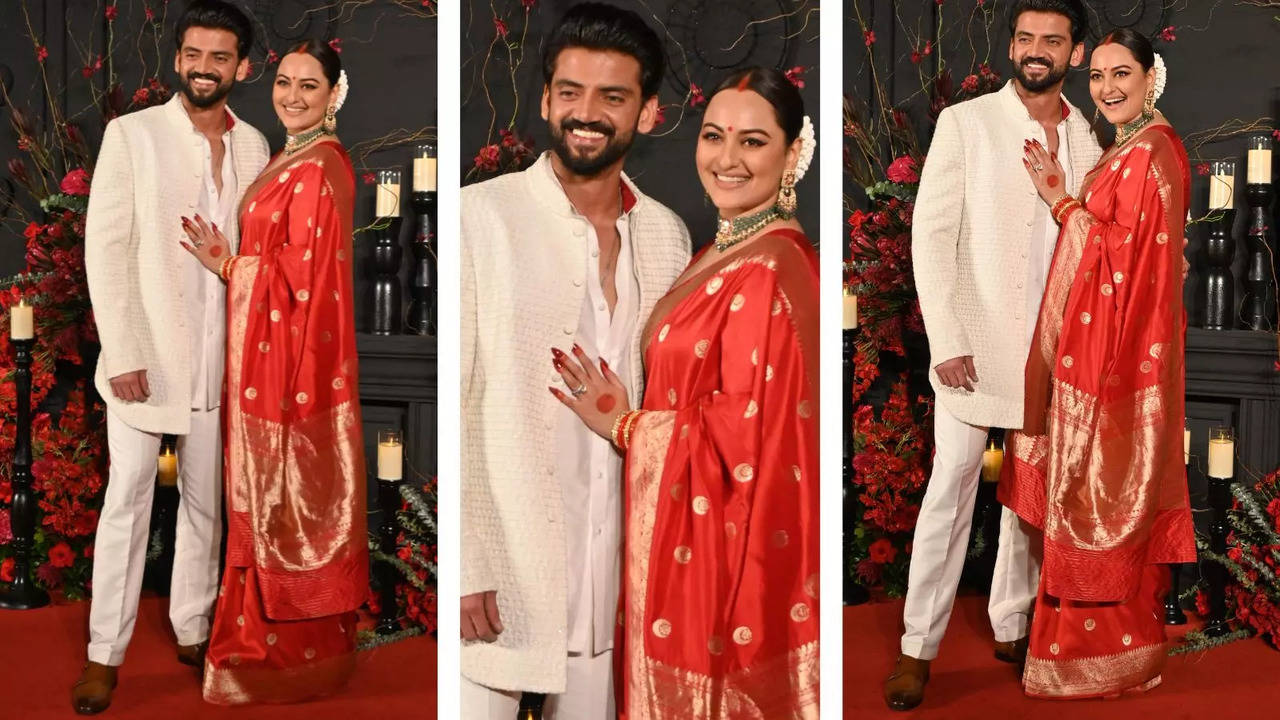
(1125,132)
(732,232)
(294,143)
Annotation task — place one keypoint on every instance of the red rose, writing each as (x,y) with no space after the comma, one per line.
(696,97)
(500,27)
(111,13)
(487,158)
(882,551)
(1168,35)
(869,37)
(6,570)
(796,76)
(903,170)
(42,53)
(76,182)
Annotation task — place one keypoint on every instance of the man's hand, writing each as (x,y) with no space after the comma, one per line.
(958,372)
(131,386)
(480,616)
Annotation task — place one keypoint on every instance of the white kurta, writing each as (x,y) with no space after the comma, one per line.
(590,470)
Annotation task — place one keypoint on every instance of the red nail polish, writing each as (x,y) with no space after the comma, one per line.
(604,364)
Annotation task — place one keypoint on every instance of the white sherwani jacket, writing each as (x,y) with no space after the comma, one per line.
(971,234)
(147,176)
(523,286)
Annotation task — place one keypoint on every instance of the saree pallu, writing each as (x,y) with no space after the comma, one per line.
(720,590)
(1098,465)
(297,557)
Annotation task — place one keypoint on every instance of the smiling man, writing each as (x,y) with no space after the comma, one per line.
(982,240)
(161,319)
(567,256)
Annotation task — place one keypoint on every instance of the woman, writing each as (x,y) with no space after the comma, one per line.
(1098,465)
(297,554)
(721,570)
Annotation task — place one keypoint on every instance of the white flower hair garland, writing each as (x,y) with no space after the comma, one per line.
(1162,76)
(343,87)
(808,141)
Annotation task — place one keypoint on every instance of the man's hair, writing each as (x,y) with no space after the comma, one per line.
(1073,10)
(216,15)
(598,26)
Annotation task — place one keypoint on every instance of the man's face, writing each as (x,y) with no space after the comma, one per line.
(208,65)
(1041,50)
(594,107)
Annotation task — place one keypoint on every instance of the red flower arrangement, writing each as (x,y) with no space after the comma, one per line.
(1253,559)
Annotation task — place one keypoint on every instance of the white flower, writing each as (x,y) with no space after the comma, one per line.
(343,87)
(807,144)
(1162,76)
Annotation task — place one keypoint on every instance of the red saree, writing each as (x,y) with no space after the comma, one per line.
(297,553)
(721,566)
(1098,465)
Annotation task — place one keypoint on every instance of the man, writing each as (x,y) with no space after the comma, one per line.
(982,241)
(161,321)
(570,255)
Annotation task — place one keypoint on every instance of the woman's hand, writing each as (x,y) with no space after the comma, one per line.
(207,243)
(598,397)
(1045,171)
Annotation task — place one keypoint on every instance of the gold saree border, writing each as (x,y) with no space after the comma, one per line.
(243,685)
(1134,669)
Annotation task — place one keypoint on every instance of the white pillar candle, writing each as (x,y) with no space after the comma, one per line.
(22,324)
(1221,457)
(1186,447)
(850,309)
(390,460)
(992,462)
(424,174)
(167,468)
(1260,166)
(1222,191)
(388,200)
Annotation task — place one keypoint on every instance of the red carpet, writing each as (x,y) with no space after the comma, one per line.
(1240,681)
(41,652)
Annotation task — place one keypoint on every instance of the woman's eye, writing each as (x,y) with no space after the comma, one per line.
(754,142)
(710,136)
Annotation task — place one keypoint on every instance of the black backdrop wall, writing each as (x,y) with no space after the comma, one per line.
(706,39)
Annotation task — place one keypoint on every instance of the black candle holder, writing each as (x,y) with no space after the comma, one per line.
(1220,289)
(1258,311)
(387,255)
(531,706)
(388,576)
(1215,574)
(23,594)
(1173,613)
(422,284)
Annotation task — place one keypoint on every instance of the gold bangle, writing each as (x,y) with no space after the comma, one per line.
(626,432)
(617,423)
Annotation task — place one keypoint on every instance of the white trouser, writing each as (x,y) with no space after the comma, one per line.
(120,549)
(942,540)
(588,694)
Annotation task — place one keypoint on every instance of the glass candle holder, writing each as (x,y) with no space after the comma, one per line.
(1260,160)
(387,200)
(1222,185)
(1222,452)
(390,455)
(424,168)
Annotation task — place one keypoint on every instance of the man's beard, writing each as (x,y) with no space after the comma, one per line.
(204,101)
(1052,76)
(615,147)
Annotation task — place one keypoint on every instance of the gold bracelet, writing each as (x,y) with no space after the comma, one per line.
(626,431)
(617,423)
(224,270)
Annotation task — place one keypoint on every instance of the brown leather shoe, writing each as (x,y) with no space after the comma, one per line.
(92,692)
(1013,652)
(193,655)
(904,688)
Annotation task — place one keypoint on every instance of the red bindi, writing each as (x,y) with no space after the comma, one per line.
(1052,181)
(730,128)
(606,403)
(215,251)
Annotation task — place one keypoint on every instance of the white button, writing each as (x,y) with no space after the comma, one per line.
(1029,223)
(577,282)
(599,531)
(595,252)
(1019,284)
(600,306)
(568,331)
(551,470)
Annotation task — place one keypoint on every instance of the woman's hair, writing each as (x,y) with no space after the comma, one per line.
(1073,10)
(773,86)
(216,15)
(329,59)
(598,26)
(1137,43)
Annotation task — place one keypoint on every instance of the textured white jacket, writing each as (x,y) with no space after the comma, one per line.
(522,293)
(970,238)
(147,176)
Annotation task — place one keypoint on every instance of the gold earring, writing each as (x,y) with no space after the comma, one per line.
(330,121)
(1149,106)
(787,195)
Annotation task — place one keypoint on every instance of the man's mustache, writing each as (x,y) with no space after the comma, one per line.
(600,127)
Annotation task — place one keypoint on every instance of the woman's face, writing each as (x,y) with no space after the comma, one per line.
(1118,83)
(301,93)
(742,152)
